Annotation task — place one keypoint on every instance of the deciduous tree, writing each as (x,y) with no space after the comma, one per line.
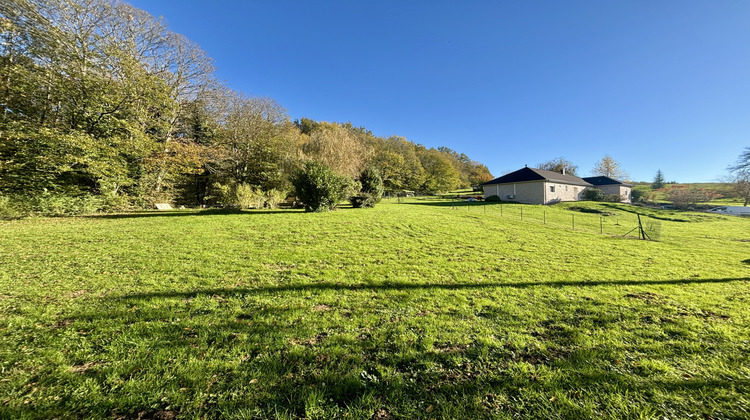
(686,197)
(441,175)
(741,175)
(337,148)
(610,168)
(560,165)
(258,144)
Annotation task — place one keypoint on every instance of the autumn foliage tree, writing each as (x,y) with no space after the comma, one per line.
(560,165)
(609,167)
(102,103)
(684,197)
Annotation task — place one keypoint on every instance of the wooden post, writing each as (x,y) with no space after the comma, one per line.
(573,218)
(601,224)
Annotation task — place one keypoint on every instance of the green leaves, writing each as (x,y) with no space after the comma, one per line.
(321,189)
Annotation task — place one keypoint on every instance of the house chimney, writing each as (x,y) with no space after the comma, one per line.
(563,172)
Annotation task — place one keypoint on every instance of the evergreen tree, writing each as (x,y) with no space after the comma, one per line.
(658,180)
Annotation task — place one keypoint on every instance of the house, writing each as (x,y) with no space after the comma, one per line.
(536,186)
(612,186)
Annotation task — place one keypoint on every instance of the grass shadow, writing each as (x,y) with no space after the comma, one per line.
(460,203)
(650,212)
(409,286)
(305,364)
(186,213)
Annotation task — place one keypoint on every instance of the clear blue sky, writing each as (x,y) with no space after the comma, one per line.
(655,84)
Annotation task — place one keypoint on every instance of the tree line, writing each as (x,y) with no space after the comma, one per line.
(101,105)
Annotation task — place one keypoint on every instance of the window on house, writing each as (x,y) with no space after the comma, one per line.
(566,188)
(551,188)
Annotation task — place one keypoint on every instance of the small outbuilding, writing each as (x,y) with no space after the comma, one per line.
(611,186)
(536,186)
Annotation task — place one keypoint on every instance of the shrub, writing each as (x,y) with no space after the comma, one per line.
(683,197)
(10,209)
(372,184)
(113,202)
(321,189)
(52,204)
(363,200)
(493,198)
(274,197)
(222,194)
(370,187)
(613,198)
(245,196)
(594,194)
(636,195)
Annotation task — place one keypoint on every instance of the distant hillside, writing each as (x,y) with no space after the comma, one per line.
(723,190)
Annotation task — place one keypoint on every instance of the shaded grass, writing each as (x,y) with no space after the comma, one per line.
(409,311)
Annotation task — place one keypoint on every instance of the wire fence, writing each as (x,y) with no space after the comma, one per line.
(614,222)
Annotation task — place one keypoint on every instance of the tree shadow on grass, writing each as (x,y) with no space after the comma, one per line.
(660,214)
(461,203)
(408,286)
(214,351)
(188,213)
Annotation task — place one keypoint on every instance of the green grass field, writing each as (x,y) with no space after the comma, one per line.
(412,310)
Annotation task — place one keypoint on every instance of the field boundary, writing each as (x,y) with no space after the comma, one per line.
(617,222)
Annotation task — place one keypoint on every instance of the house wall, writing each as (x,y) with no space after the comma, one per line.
(624,192)
(525,192)
(562,192)
(535,192)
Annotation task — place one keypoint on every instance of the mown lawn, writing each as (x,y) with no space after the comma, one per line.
(413,310)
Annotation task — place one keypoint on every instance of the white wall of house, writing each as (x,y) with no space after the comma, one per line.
(562,192)
(624,192)
(535,192)
(531,192)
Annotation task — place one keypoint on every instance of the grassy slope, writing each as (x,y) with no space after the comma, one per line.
(407,310)
(724,190)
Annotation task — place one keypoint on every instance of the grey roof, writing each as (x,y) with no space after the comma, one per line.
(605,180)
(533,174)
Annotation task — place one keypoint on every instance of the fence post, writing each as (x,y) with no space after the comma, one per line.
(573,218)
(601,224)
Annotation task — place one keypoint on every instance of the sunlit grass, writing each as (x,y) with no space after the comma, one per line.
(412,310)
